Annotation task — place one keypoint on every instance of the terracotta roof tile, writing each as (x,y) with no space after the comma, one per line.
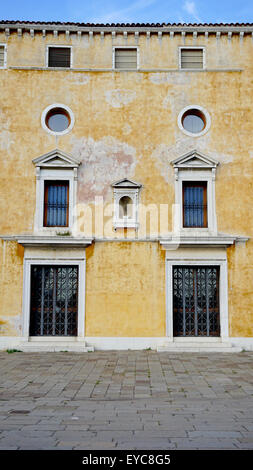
(130,25)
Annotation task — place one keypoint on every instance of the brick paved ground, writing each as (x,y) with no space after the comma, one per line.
(126,400)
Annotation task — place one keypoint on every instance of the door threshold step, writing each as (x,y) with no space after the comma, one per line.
(197,344)
(49,347)
(215,348)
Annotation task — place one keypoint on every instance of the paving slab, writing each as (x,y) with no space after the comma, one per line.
(126,400)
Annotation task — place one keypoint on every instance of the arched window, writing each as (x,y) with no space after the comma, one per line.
(125,207)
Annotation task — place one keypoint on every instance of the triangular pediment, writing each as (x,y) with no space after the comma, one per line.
(126,183)
(56,159)
(194,159)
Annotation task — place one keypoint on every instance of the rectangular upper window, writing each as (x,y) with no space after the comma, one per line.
(192,58)
(2,56)
(195,204)
(125,58)
(59,57)
(56,204)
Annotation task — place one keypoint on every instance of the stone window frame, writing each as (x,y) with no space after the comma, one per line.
(203,111)
(126,47)
(130,189)
(203,48)
(55,166)
(195,167)
(49,260)
(223,289)
(62,46)
(55,106)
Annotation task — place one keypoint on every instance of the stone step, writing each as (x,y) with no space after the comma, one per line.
(199,346)
(49,346)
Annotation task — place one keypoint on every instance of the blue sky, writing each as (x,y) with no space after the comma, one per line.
(146,11)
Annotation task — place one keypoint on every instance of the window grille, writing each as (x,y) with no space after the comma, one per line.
(54,300)
(196,301)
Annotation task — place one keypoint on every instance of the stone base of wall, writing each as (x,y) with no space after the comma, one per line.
(160,344)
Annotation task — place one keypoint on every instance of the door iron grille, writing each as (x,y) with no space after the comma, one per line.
(54,300)
(196,301)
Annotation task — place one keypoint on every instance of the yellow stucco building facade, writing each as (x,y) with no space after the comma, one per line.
(126,187)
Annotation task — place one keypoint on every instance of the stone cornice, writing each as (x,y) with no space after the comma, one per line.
(219,240)
(80,28)
(54,241)
(171,242)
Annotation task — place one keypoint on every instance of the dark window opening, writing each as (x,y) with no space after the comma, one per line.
(57,120)
(56,204)
(59,57)
(196,301)
(195,204)
(194,121)
(54,301)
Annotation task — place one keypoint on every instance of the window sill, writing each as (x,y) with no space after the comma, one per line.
(89,69)
(54,231)
(125,225)
(196,231)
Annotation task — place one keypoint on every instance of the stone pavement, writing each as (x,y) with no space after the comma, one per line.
(126,400)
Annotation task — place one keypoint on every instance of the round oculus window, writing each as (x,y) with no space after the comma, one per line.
(194,121)
(57,119)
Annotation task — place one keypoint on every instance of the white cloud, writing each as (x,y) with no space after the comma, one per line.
(123,14)
(191,9)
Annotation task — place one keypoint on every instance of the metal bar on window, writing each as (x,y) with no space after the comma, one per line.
(56,204)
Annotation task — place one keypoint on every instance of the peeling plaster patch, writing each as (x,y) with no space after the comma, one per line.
(118,98)
(8,323)
(172,78)
(103,162)
(80,79)
(126,129)
(221,157)
(176,97)
(5,134)
(161,155)
(164,154)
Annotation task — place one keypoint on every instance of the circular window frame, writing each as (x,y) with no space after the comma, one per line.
(206,116)
(51,107)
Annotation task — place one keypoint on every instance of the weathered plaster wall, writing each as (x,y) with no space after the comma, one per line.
(126,126)
(125,289)
(11,281)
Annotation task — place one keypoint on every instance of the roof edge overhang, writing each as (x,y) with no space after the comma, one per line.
(236,28)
